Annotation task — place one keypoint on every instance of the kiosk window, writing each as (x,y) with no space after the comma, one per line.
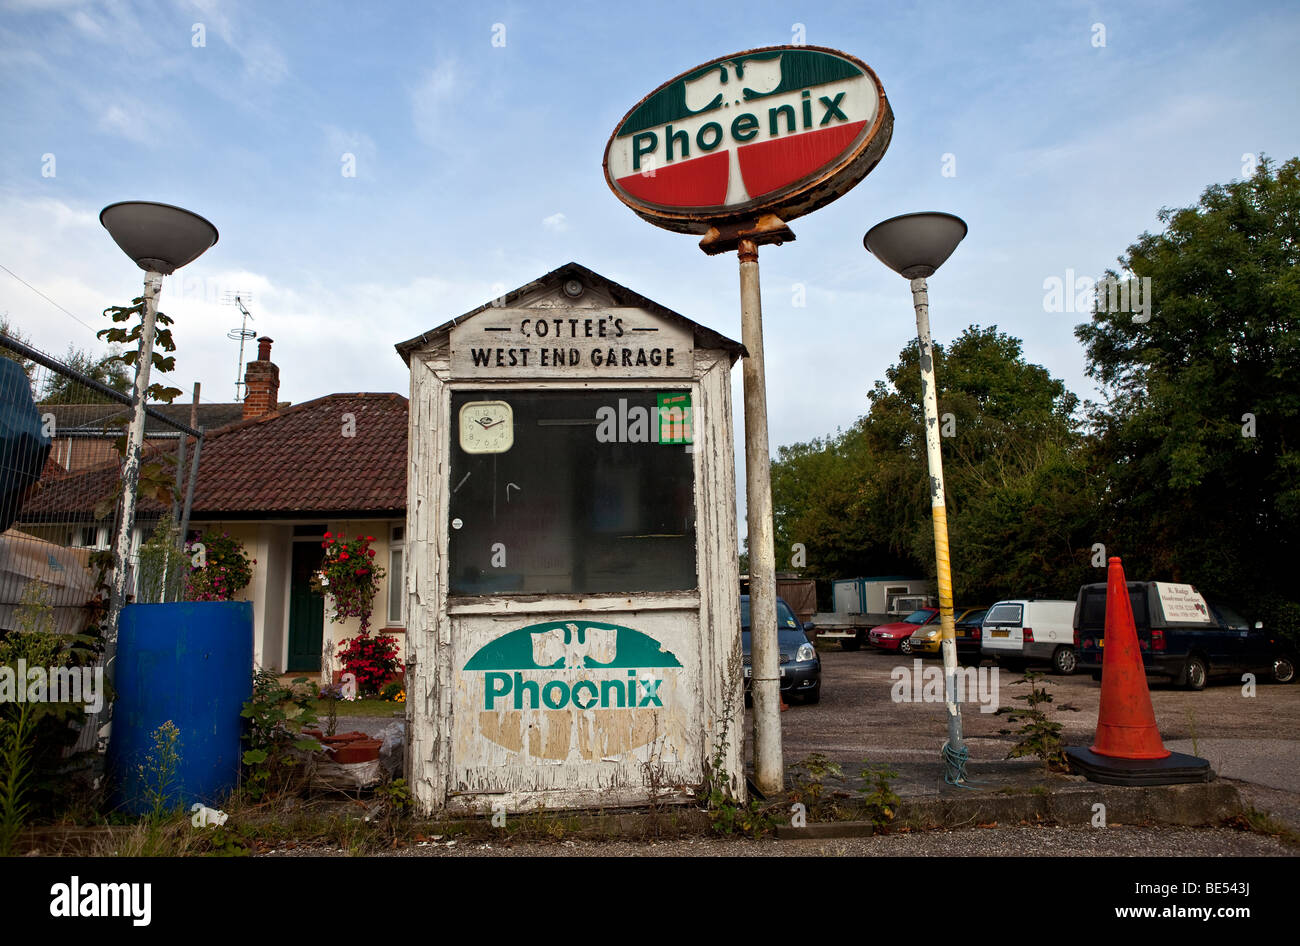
(571,492)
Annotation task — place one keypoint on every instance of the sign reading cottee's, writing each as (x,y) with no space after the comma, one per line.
(780,130)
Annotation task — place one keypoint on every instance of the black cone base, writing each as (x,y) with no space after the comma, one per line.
(1176,769)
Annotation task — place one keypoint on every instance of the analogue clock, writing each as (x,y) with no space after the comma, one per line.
(487,427)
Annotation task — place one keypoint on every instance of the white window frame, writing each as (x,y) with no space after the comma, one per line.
(396,576)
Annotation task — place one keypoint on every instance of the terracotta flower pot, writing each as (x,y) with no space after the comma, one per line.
(343,738)
(363,750)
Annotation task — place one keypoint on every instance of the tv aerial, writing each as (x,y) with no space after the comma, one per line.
(241,335)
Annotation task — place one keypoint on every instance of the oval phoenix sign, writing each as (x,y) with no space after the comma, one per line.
(782,129)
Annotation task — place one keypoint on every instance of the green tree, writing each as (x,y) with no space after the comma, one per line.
(1016,474)
(107,369)
(1018,478)
(1199,432)
(10,330)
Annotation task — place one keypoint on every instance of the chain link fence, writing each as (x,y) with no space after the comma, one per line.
(62,434)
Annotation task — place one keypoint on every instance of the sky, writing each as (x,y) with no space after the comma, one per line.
(1057,130)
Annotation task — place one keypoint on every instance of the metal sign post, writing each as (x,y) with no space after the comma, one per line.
(765,680)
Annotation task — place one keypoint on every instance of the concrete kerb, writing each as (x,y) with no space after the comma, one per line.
(1065,800)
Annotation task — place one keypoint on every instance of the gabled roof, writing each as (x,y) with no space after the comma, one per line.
(704,337)
(301,460)
(287,464)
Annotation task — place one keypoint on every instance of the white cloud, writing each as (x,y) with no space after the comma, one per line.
(556,223)
(429,100)
(128,122)
(87,24)
(263,60)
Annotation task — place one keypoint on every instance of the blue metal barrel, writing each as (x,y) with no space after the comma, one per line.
(190,664)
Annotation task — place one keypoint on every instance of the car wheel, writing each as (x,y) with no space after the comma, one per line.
(1063,661)
(850,643)
(905,645)
(1194,673)
(1283,670)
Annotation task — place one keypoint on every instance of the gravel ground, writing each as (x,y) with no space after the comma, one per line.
(977,842)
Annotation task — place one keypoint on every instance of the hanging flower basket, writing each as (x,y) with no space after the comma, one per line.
(350,577)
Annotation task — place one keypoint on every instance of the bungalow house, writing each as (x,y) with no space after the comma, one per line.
(277,480)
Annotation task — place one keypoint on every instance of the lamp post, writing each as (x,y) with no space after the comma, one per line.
(914,246)
(160,239)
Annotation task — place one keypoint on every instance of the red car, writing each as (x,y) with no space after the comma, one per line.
(898,636)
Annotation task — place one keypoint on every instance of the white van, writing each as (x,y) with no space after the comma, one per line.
(1021,630)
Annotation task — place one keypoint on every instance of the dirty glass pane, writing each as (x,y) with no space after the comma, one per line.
(587,498)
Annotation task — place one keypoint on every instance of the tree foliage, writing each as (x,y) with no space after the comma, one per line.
(1199,434)
(859,501)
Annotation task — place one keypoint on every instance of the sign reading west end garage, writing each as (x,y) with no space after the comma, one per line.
(571,343)
(780,130)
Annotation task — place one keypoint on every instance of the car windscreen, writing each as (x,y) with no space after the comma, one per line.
(917,617)
(1229,618)
(975,617)
(785,619)
(1004,614)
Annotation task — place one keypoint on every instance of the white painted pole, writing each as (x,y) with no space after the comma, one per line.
(765,682)
(131,473)
(954,749)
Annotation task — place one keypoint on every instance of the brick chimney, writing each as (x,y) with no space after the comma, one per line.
(261,382)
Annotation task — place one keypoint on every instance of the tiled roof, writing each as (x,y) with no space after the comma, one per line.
(296,461)
(299,459)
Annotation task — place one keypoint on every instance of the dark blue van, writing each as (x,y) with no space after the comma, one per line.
(1186,652)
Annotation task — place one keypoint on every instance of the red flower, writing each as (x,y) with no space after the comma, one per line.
(328,534)
(344,556)
(370,552)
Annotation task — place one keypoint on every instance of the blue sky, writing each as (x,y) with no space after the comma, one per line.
(479,166)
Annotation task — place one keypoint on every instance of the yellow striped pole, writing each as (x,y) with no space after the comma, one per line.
(954,750)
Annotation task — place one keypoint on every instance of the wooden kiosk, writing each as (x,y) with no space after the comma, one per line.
(573,621)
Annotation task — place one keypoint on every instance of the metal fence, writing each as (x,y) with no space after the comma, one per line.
(61,438)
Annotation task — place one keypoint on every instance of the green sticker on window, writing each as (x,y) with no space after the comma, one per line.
(675,422)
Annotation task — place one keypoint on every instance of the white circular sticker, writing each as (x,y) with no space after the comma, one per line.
(456,523)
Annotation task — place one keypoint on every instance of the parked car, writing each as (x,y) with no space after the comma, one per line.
(968,632)
(898,636)
(800,667)
(1183,638)
(1018,631)
(928,638)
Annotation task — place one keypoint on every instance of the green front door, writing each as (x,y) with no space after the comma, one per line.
(306,610)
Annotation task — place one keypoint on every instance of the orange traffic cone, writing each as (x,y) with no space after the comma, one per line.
(1126,721)
(1127,749)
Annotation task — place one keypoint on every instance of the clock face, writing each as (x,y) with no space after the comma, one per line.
(487,427)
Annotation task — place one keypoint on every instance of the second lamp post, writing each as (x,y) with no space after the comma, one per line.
(914,246)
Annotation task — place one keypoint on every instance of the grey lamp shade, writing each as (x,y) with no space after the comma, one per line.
(159,237)
(916,244)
